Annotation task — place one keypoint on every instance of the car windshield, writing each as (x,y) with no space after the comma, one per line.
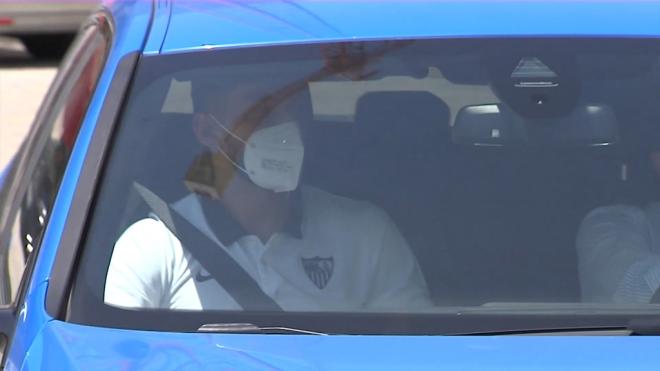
(412,178)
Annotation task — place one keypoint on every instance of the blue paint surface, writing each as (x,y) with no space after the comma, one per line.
(258,22)
(87,348)
(40,342)
(131,22)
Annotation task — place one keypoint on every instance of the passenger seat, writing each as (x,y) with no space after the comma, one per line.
(517,201)
(399,162)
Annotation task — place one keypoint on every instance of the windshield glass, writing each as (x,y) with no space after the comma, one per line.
(387,177)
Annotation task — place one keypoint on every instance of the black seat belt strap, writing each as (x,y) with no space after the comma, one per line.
(215,260)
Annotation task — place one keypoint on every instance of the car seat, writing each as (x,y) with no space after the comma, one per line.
(516,205)
(399,162)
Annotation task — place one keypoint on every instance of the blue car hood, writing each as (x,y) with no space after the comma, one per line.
(66,346)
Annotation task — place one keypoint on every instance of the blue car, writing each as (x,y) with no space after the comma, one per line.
(320,184)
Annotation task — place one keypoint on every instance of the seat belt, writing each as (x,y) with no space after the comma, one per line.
(215,260)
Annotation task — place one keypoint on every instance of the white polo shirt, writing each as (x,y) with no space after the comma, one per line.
(618,251)
(349,256)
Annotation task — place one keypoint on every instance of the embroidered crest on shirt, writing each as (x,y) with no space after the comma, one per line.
(319,270)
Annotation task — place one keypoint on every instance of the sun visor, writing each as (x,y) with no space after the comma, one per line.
(487,125)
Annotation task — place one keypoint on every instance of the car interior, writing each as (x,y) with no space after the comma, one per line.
(489,195)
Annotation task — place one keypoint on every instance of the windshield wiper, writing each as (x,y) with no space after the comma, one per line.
(588,331)
(644,326)
(638,326)
(249,328)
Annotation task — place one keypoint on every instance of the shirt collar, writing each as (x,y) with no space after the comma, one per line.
(228,230)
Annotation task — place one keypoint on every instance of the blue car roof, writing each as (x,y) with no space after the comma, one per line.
(230,23)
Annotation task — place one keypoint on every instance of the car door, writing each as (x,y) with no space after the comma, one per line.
(32,179)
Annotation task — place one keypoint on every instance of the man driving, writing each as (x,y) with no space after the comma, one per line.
(305,248)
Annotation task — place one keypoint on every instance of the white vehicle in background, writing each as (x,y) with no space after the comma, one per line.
(46,28)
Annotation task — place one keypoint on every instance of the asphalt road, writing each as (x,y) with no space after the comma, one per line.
(23,83)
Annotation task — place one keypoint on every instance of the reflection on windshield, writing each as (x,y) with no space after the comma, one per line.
(390,177)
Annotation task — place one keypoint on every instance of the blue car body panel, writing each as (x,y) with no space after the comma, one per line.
(162,12)
(229,23)
(65,345)
(131,22)
(41,342)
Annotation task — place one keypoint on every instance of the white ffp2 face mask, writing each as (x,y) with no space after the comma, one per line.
(273,156)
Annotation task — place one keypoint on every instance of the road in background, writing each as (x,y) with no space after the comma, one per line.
(23,83)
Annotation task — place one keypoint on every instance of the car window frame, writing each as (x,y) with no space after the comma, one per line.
(23,166)
(66,263)
(370,323)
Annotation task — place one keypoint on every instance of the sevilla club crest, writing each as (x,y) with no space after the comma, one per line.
(319,270)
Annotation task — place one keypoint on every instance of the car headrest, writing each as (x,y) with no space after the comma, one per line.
(591,125)
(417,119)
(495,124)
(488,124)
(172,147)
